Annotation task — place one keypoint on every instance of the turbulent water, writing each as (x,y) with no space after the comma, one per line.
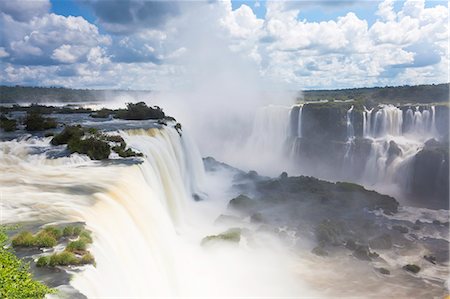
(146,225)
(277,132)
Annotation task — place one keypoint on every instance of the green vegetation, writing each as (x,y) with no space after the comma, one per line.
(35,122)
(43,261)
(16,282)
(140,111)
(12,94)
(92,143)
(64,258)
(438,93)
(8,125)
(86,236)
(44,239)
(87,258)
(54,231)
(77,246)
(69,132)
(232,235)
(23,239)
(102,113)
(96,149)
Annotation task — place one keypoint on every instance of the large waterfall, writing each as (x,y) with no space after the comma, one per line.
(146,225)
(394,135)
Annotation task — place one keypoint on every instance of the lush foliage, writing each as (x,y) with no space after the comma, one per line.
(399,94)
(8,125)
(16,282)
(140,111)
(35,122)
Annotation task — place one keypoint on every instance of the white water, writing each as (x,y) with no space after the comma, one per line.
(278,151)
(388,126)
(147,229)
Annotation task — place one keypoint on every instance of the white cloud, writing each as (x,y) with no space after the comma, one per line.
(210,39)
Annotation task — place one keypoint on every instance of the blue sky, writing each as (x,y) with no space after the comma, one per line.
(296,44)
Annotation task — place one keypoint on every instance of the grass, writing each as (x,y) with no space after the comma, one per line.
(16,281)
(44,239)
(77,246)
(64,258)
(23,239)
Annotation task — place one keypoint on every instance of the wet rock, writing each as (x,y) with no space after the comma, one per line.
(233,235)
(320,251)
(257,217)
(381,242)
(383,271)
(328,232)
(394,151)
(430,258)
(363,253)
(242,202)
(437,222)
(350,244)
(412,268)
(400,228)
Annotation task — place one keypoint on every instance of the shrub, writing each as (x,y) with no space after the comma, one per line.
(77,246)
(53,231)
(8,125)
(140,111)
(44,239)
(67,134)
(102,113)
(68,231)
(43,261)
(23,239)
(126,153)
(86,236)
(96,149)
(15,279)
(35,122)
(77,230)
(64,258)
(87,258)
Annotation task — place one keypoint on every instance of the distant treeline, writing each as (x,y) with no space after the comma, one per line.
(400,94)
(20,94)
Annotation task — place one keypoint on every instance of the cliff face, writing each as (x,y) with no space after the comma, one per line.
(387,145)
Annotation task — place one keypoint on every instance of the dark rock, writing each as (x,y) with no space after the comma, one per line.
(394,151)
(430,258)
(412,268)
(242,202)
(328,232)
(400,228)
(320,251)
(437,222)
(383,271)
(257,217)
(283,175)
(381,242)
(350,244)
(362,252)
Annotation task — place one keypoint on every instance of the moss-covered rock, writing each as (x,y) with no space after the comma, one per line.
(412,268)
(8,125)
(140,111)
(36,122)
(232,235)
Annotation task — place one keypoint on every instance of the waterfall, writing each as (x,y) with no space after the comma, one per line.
(270,129)
(396,137)
(367,122)
(134,211)
(299,127)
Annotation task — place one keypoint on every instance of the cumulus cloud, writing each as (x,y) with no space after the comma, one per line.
(127,16)
(50,39)
(160,44)
(24,11)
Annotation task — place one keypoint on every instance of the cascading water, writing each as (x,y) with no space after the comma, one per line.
(395,140)
(146,226)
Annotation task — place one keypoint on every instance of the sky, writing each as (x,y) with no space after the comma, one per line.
(162,45)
